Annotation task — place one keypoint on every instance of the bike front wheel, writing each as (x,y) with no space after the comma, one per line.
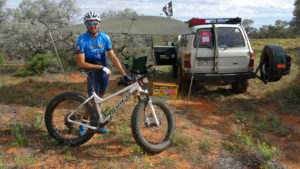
(60,109)
(150,137)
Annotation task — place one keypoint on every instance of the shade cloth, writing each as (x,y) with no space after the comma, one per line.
(140,25)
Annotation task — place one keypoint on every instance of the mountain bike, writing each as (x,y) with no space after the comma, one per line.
(152,120)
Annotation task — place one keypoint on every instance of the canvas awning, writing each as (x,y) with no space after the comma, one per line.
(140,25)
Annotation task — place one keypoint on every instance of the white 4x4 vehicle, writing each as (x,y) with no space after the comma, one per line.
(219,52)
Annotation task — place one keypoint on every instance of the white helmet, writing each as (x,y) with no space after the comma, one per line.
(91,16)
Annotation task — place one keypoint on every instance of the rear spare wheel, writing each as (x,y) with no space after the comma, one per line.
(274,63)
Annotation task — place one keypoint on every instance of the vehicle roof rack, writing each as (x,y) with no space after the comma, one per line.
(198,21)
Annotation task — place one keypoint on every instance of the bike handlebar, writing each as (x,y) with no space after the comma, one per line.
(124,83)
(87,71)
(149,73)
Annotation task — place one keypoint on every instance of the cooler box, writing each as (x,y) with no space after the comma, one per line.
(165,90)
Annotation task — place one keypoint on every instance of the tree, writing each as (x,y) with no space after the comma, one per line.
(295,23)
(28,26)
(279,30)
(2,3)
(247,24)
(2,20)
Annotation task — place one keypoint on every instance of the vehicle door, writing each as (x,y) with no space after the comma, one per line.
(204,39)
(233,51)
(183,49)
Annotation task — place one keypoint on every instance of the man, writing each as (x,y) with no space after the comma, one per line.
(90,53)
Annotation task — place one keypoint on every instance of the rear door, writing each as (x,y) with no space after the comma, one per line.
(233,54)
(204,39)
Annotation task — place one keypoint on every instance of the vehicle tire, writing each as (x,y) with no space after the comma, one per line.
(240,86)
(56,114)
(153,139)
(271,57)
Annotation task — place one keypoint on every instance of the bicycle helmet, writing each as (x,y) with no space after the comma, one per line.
(91,16)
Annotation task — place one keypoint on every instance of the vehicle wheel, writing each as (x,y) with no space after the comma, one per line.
(151,138)
(240,86)
(271,57)
(56,115)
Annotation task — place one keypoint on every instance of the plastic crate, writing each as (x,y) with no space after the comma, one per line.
(165,90)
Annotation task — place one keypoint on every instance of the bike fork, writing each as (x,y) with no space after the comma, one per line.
(153,113)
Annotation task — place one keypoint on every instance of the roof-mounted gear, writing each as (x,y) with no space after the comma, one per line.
(198,21)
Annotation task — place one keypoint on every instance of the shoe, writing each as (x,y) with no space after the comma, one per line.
(102,131)
(82,130)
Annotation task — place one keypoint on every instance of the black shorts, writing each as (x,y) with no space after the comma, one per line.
(99,80)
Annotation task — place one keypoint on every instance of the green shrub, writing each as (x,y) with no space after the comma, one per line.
(294,93)
(68,61)
(20,136)
(38,122)
(245,139)
(182,141)
(205,145)
(266,151)
(226,145)
(37,64)
(2,59)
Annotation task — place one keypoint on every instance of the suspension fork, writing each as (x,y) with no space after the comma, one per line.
(149,102)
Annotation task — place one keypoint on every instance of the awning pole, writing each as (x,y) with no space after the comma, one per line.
(152,51)
(58,58)
(216,51)
(193,70)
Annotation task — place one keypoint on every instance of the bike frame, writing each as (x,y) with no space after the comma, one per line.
(98,100)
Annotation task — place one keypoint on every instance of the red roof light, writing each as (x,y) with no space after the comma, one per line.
(197,21)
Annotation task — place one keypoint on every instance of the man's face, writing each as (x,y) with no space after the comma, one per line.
(92,26)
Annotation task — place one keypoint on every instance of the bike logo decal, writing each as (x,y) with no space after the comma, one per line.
(120,103)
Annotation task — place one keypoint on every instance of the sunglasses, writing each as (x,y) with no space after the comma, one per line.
(92,23)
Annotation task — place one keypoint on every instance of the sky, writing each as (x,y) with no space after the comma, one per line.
(262,12)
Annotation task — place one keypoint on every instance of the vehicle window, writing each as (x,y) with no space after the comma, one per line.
(230,37)
(204,38)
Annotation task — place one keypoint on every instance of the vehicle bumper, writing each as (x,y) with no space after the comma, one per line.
(224,78)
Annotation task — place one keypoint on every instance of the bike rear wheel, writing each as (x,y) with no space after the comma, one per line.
(152,138)
(60,128)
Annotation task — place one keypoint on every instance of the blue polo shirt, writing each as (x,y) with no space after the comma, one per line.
(94,49)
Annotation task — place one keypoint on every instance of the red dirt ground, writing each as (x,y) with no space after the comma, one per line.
(199,119)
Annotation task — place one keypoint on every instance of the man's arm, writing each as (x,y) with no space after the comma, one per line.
(116,62)
(84,65)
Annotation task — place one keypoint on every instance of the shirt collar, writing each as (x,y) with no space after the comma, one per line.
(91,35)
